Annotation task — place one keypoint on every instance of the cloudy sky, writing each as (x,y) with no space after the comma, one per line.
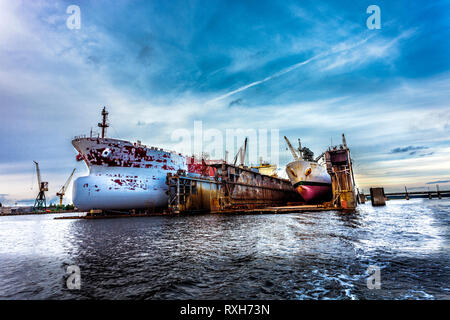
(311,69)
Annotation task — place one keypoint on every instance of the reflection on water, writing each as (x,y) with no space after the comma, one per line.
(322,255)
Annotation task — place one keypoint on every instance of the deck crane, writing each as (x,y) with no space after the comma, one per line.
(40,202)
(63,190)
(241,154)
(294,154)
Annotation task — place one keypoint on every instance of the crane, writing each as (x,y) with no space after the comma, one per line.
(40,202)
(294,154)
(63,190)
(241,154)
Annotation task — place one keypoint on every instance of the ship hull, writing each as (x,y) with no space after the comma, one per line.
(123,176)
(310,180)
(105,190)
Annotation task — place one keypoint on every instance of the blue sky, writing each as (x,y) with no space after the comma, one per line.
(311,69)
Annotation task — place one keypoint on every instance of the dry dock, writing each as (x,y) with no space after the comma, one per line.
(235,189)
(231,188)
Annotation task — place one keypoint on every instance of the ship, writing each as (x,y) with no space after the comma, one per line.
(126,175)
(308,176)
(122,174)
(265,168)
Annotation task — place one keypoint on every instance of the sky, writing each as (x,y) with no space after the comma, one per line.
(310,69)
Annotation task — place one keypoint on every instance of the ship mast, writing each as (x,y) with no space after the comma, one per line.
(104,124)
(300,148)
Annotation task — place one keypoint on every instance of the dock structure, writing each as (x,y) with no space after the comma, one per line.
(361,198)
(416,194)
(377,197)
(339,167)
(232,188)
(221,187)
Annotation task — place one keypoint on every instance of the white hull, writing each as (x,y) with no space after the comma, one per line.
(310,179)
(123,176)
(102,189)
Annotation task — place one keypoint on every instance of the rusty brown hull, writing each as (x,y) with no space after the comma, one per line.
(232,188)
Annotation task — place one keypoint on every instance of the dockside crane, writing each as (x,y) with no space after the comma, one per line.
(40,202)
(63,190)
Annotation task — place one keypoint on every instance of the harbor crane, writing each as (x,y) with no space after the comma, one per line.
(63,190)
(40,202)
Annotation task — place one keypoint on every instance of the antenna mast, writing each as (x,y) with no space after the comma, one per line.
(104,124)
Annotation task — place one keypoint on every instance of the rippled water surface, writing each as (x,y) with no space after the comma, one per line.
(323,255)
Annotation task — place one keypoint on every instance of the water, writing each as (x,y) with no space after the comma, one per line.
(322,255)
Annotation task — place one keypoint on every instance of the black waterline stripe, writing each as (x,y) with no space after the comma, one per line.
(311,183)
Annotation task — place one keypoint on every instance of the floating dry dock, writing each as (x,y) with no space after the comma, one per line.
(231,188)
(239,189)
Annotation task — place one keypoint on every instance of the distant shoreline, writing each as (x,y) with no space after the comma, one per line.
(36,213)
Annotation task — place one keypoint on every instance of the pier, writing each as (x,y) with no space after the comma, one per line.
(378,197)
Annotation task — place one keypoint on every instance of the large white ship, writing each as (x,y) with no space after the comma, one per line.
(124,175)
(309,177)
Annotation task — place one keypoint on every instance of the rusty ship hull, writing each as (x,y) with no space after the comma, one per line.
(228,188)
(123,175)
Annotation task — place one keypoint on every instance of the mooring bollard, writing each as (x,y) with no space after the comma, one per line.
(362,198)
